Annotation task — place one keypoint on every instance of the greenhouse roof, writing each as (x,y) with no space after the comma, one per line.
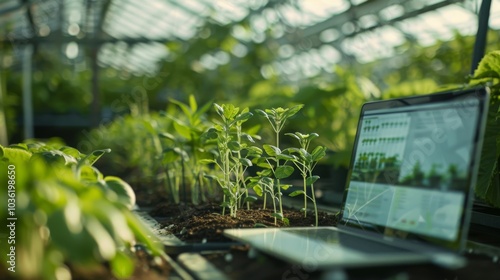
(313,35)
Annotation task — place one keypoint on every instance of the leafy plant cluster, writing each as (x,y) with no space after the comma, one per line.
(68,214)
(196,160)
(236,151)
(488,183)
(158,153)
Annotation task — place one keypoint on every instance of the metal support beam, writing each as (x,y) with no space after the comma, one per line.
(4,139)
(27,92)
(481,35)
(14,8)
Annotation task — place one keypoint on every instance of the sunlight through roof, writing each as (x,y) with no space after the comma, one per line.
(311,36)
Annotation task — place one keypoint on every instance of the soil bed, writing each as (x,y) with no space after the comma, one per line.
(205,223)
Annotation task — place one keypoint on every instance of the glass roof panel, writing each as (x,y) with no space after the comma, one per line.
(495,15)
(314,35)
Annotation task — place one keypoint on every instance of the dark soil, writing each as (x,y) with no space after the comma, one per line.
(205,223)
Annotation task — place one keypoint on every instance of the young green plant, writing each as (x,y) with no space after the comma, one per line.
(189,124)
(230,160)
(305,163)
(277,117)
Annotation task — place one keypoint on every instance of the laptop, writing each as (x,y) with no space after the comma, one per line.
(409,188)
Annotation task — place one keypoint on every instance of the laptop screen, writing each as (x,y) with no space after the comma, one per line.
(413,166)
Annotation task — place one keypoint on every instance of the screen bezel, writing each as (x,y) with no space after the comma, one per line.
(480,94)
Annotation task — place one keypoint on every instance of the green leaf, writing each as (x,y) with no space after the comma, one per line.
(264,173)
(212,133)
(488,168)
(201,111)
(106,246)
(277,215)
(219,109)
(286,157)
(292,150)
(283,172)
(14,155)
(126,195)
(253,151)
(245,162)
(264,165)
(267,181)
(296,193)
(206,161)
(258,190)
(261,113)
(212,177)
(318,153)
(170,156)
(71,152)
(185,109)
(90,174)
(167,135)
(93,157)
(248,137)
(122,266)
(293,110)
(77,246)
(22,146)
(311,180)
(56,157)
(230,111)
(192,103)
(243,117)
(285,187)
(150,126)
(234,146)
(489,67)
(182,130)
(250,199)
(305,155)
(254,130)
(293,135)
(271,150)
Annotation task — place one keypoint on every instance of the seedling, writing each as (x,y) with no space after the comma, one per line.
(277,117)
(305,163)
(190,125)
(230,158)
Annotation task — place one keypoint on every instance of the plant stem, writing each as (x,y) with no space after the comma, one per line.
(278,180)
(184,187)
(313,196)
(274,207)
(223,203)
(305,195)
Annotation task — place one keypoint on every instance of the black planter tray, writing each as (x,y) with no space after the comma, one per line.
(177,271)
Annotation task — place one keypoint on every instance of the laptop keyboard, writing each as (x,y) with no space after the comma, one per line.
(347,240)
